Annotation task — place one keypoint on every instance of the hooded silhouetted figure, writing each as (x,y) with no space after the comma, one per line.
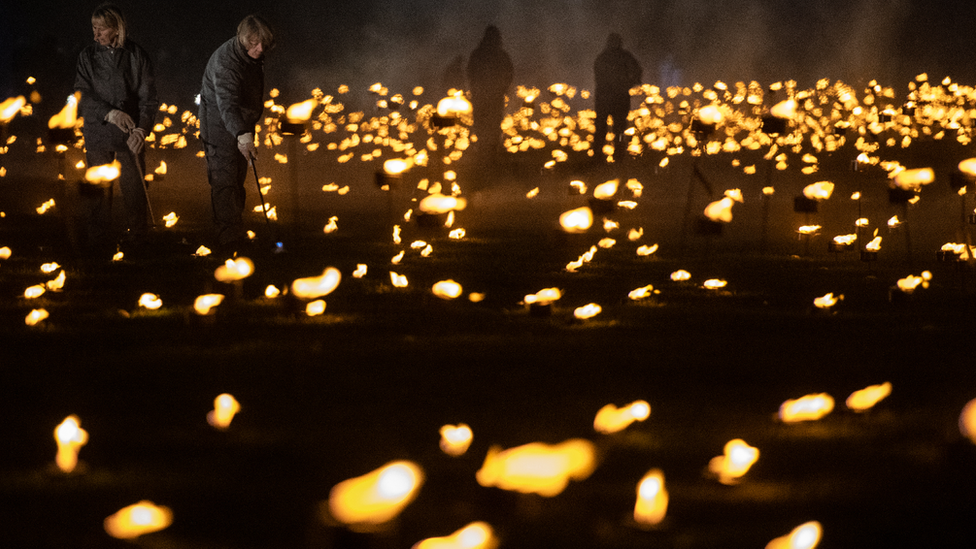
(616,72)
(489,76)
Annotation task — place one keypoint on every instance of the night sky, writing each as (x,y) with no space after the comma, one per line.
(325,43)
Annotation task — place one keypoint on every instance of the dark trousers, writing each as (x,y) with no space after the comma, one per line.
(226,172)
(96,201)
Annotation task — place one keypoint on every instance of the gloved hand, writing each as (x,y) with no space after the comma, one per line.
(137,140)
(245,144)
(120,119)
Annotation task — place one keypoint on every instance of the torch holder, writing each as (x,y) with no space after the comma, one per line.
(947,256)
(802,204)
(292,128)
(837,247)
(429,221)
(701,129)
(439,122)
(540,310)
(707,227)
(772,125)
(388,180)
(61,136)
(600,206)
(869,256)
(972,219)
(899,196)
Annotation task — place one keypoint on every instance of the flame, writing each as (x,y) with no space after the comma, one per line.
(68,116)
(36,316)
(272,291)
(105,173)
(315,308)
(645,250)
(579,186)
(455,439)
(866,398)
(360,271)
(845,239)
(398,280)
(806,408)
(10,107)
(150,301)
(537,467)
(70,438)
(589,310)
(576,221)
(809,229)
(804,536)
(784,109)
(170,219)
(477,535)
(611,419)
(43,208)
(202,251)
(680,275)
(874,245)
(301,112)
(652,499)
(720,210)
(437,203)
(968,167)
(332,226)
(827,301)
(396,166)
(543,297)
(225,406)
(714,284)
(204,303)
(138,519)
(605,191)
(318,286)
(819,191)
(453,105)
(33,292)
(912,180)
(967,421)
(161,169)
(736,460)
(376,497)
(447,289)
(5,252)
(710,114)
(234,269)
(910,282)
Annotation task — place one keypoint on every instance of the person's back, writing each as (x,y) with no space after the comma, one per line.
(616,71)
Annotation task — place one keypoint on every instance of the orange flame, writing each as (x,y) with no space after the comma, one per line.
(10,107)
(819,191)
(376,497)
(437,203)
(138,519)
(576,221)
(589,310)
(804,536)
(967,421)
(827,301)
(204,303)
(455,439)
(736,460)
(611,419)
(318,286)
(605,191)
(866,398)
(543,297)
(225,406)
(301,112)
(806,408)
(150,301)
(446,289)
(234,269)
(652,499)
(477,535)
(912,180)
(537,467)
(68,116)
(105,173)
(70,438)
(453,105)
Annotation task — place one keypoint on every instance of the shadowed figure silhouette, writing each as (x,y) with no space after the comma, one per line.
(616,72)
(489,77)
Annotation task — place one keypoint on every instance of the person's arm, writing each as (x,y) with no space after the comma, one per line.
(228,81)
(146,91)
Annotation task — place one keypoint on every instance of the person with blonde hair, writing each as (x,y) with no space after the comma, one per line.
(118,103)
(231,104)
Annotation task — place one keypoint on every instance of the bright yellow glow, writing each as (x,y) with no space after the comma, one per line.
(806,408)
(453,105)
(543,297)
(272,291)
(70,438)
(714,284)
(437,203)
(204,303)
(225,406)
(652,499)
(576,221)
(234,269)
(866,398)
(537,467)
(47,205)
(398,280)
(317,286)
(315,308)
(301,112)
(106,173)
(138,519)
(912,180)
(735,461)
(446,289)
(455,439)
(611,419)
(845,239)
(968,167)
(477,535)
(804,536)
(150,301)
(170,219)
(36,316)
(68,116)
(589,310)
(10,107)
(202,251)
(819,191)
(784,109)
(57,283)
(710,114)
(396,166)
(874,245)
(720,210)
(641,293)
(911,282)
(360,271)
(606,190)
(376,497)
(827,301)
(645,250)
(34,291)
(680,275)
(5,252)
(967,421)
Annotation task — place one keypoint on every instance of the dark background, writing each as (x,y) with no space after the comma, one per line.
(411,42)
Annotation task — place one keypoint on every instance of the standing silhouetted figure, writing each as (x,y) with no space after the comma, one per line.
(489,76)
(616,72)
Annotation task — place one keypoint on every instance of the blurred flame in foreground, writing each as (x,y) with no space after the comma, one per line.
(806,408)
(611,419)
(455,439)
(477,535)
(35,317)
(804,536)
(735,461)
(967,421)
(70,438)
(376,497)
(866,398)
(225,406)
(68,115)
(138,519)
(537,467)
(439,204)
(204,303)
(576,221)
(234,269)
(446,289)
(317,286)
(652,499)
(106,173)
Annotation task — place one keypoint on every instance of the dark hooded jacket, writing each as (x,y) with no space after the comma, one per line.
(115,78)
(231,100)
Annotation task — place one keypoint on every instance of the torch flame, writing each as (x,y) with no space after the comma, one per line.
(138,519)
(301,112)
(70,438)
(438,204)
(105,173)
(453,105)
(318,286)
(10,107)
(234,269)
(784,109)
(652,499)
(912,180)
(819,191)
(589,310)
(605,191)
(804,536)
(537,467)
(204,303)
(376,497)
(455,439)
(827,301)
(806,408)
(543,297)
(967,421)
(447,289)
(477,535)
(866,398)
(735,462)
(611,419)
(225,406)
(68,116)
(720,210)
(576,221)
(968,167)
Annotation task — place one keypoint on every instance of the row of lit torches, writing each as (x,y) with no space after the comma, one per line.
(368,502)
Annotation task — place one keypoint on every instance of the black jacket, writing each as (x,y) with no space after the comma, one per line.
(231,99)
(116,78)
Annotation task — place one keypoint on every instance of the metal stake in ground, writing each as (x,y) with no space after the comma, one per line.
(279,246)
(140,168)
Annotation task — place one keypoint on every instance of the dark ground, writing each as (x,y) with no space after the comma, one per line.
(332,397)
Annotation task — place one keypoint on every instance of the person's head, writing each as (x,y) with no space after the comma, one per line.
(492,37)
(108,26)
(255,34)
